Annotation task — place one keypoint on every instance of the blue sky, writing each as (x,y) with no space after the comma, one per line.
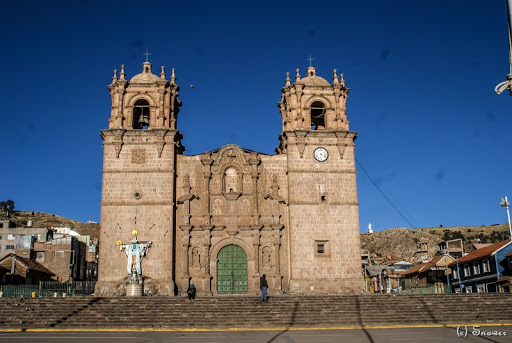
(432,133)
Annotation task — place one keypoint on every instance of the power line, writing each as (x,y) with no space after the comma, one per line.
(385,196)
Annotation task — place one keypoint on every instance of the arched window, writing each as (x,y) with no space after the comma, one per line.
(317,115)
(141,114)
(230,180)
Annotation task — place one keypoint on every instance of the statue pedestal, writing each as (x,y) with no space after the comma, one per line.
(134,290)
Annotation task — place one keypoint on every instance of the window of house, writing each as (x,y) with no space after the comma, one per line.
(1,225)
(317,115)
(9,247)
(476,268)
(457,290)
(486,267)
(455,274)
(40,256)
(37,237)
(11,237)
(0,237)
(480,288)
(59,253)
(467,270)
(469,290)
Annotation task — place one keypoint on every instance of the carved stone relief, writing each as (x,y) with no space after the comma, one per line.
(139,156)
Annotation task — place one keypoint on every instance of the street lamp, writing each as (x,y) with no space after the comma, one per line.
(508,83)
(504,203)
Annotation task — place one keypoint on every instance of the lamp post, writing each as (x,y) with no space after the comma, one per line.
(506,204)
(508,83)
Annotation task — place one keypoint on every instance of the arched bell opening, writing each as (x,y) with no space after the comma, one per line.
(141,114)
(317,115)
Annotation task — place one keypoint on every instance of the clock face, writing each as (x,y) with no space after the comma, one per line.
(321,154)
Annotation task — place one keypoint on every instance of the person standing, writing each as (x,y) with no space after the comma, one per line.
(264,288)
(191,292)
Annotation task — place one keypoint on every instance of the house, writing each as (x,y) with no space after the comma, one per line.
(483,270)
(19,240)
(376,279)
(429,274)
(65,256)
(21,270)
(454,247)
(401,266)
(422,254)
(505,282)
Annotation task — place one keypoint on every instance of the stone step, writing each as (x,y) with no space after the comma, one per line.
(238,311)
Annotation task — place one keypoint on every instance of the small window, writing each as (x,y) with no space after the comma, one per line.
(0,237)
(457,290)
(469,290)
(1,225)
(486,267)
(476,268)
(480,288)
(322,248)
(40,256)
(11,237)
(59,253)
(9,247)
(455,274)
(467,270)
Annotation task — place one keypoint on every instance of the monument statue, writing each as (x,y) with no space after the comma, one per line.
(135,252)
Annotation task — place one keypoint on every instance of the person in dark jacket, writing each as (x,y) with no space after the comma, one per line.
(191,292)
(263,287)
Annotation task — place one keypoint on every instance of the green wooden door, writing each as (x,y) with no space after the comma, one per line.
(232,270)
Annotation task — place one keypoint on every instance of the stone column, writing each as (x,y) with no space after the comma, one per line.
(207,176)
(276,232)
(256,248)
(207,243)
(185,239)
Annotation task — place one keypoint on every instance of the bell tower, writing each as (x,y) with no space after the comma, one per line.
(140,149)
(324,243)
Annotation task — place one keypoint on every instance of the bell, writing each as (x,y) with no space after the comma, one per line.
(143,119)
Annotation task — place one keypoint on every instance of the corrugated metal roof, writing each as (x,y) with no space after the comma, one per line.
(483,252)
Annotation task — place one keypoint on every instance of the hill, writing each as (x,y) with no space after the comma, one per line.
(40,219)
(403,242)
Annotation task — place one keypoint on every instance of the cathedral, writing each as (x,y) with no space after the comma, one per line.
(222,218)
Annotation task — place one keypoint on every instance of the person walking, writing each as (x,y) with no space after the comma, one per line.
(264,288)
(191,292)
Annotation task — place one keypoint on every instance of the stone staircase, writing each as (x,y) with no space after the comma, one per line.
(248,311)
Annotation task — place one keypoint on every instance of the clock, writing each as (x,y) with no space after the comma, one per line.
(321,154)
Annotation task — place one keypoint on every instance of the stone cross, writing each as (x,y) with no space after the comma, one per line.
(310,60)
(148,53)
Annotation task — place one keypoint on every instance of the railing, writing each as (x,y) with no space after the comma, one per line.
(49,289)
(433,289)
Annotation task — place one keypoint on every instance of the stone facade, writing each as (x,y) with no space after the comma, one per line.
(292,216)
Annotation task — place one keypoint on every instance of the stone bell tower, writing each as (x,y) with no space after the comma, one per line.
(139,173)
(324,244)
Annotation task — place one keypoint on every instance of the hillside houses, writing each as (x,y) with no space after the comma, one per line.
(29,255)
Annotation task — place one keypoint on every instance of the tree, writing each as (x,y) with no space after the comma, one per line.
(7,206)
